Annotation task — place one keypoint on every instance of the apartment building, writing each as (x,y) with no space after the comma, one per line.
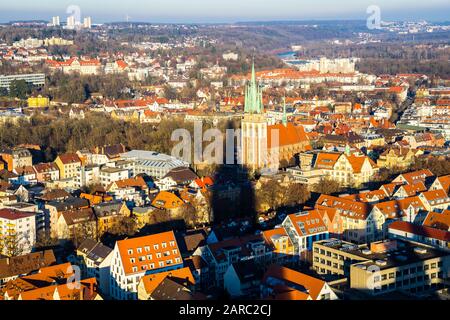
(46,172)
(304,229)
(16,158)
(69,165)
(95,262)
(134,258)
(221,255)
(109,175)
(17,232)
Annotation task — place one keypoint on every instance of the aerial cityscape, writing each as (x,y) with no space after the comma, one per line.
(223,156)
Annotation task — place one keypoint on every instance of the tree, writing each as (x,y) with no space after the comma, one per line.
(19,89)
(170,93)
(126,226)
(83,231)
(11,245)
(440,166)
(328,186)
(268,197)
(3,92)
(296,194)
(189,214)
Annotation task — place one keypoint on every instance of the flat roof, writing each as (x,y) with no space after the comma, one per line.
(405,253)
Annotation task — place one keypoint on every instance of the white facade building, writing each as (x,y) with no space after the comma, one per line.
(18,230)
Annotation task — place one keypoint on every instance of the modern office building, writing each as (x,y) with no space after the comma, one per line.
(36,79)
(385,267)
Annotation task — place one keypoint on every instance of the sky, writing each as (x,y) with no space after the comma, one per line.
(210,11)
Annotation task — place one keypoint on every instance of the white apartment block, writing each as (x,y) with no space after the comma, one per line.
(17,231)
(134,258)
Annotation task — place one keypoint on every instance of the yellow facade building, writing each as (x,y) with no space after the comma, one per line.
(38,102)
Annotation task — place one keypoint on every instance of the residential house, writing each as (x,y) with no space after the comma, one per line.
(109,175)
(167,201)
(25,175)
(110,215)
(304,229)
(76,224)
(46,172)
(348,170)
(283,250)
(441,183)
(180,176)
(54,209)
(243,279)
(438,220)
(435,200)
(354,216)
(14,267)
(424,176)
(95,262)
(281,283)
(69,165)
(201,272)
(16,158)
(221,255)
(176,284)
(410,190)
(135,258)
(105,154)
(398,158)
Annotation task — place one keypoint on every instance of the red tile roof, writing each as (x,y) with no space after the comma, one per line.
(10,214)
(420,230)
(142,261)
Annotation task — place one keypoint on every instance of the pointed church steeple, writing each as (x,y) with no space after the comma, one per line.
(253,79)
(285,119)
(253,95)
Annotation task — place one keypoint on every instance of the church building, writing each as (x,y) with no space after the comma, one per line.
(266,146)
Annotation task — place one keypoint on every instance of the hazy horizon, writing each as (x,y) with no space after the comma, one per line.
(231,11)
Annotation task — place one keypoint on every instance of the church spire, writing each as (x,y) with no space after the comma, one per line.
(285,119)
(253,95)
(253,80)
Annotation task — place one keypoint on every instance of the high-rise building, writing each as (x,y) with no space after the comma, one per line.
(87,23)
(55,21)
(71,22)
